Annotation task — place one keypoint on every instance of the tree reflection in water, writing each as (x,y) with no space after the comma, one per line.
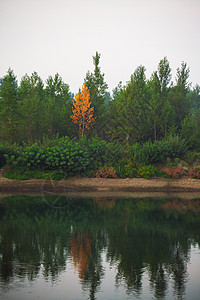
(138,236)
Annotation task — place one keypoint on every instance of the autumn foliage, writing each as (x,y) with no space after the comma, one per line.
(175,172)
(194,173)
(106,173)
(82,112)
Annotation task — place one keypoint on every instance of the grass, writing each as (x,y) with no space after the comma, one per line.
(35,174)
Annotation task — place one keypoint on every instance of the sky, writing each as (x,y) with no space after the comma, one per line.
(61,36)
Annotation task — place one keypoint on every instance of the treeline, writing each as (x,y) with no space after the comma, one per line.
(30,110)
(143,109)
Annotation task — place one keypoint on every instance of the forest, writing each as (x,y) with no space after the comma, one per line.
(128,133)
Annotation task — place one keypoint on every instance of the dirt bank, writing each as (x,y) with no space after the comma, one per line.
(100,184)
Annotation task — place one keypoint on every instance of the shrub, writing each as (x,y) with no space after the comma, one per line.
(67,155)
(102,152)
(114,152)
(192,157)
(155,152)
(71,156)
(106,173)
(173,162)
(177,144)
(149,152)
(190,130)
(147,171)
(174,171)
(130,171)
(16,174)
(97,152)
(194,173)
(125,168)
(25,174)
(6,150)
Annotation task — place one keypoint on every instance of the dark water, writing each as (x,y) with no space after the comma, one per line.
(99,248)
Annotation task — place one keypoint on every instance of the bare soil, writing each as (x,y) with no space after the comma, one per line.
(83,184)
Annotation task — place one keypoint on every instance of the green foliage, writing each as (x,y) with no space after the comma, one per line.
(98,94)
(6,150)
(97,151)
(148,171)
(25,174)
(190,130)
(8,107)
(157,151)
(101,152)
(172,163)
(128,112)
(178,145)
(125,168)
(161,118)
(192,157)
(55,175)
(148,153)
(70,156)
(16,174)
(66,155)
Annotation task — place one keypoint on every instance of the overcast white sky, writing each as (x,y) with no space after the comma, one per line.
(50,36)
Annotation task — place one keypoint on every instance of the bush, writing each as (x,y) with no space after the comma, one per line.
(71,156)
(102,152)
(175,172)
(16,174)
(177,144)
(97,152)
(66,155)
(149,152)
(192,157)
(126,169)
(174,162)
(194,173)
(6,150)
(25,174)
(157,151)
(148,171)
(190,130)
(106,173)
(114,152)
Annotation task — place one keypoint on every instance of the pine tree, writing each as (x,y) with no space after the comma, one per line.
(98,94)
(8,107)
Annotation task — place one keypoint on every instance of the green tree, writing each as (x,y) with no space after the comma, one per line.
(164,77)
(190,130)
(193,97)
(98,94)
(8,107)
(58,107)
(129,110)
(117,91)
(31,108)
(178,94)
(160,114)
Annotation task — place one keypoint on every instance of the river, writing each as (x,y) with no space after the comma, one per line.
(58,247)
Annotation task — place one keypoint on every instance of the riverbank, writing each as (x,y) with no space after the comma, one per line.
(76,184)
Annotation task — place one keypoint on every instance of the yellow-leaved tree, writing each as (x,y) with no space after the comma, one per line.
(82,112)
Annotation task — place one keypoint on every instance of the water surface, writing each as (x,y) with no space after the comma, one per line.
(102,248)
